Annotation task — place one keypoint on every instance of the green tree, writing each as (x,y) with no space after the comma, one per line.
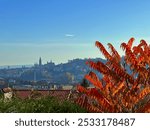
(85,83)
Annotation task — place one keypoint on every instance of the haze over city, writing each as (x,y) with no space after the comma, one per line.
(61,30)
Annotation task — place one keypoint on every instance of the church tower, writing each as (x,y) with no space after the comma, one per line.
(40,62)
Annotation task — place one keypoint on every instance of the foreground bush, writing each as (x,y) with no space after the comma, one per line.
(125,82)
(43,105)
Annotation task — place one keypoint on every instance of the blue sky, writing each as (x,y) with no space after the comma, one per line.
(60,30)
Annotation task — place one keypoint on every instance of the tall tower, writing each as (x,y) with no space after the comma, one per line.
(40,62)
(34,78)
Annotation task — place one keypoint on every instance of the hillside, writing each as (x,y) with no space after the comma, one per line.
(71,72)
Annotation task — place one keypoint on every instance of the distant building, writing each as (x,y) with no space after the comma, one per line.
(11,81)
(67,87)
(2,81)
(40,62)
(36,65)
(50,64)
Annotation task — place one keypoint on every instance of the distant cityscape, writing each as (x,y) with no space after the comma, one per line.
(45,76)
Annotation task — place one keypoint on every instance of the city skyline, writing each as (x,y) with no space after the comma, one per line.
(67,29)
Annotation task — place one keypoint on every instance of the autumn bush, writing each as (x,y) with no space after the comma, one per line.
(125,82)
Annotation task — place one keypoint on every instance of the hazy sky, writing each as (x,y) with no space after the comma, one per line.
(60,30)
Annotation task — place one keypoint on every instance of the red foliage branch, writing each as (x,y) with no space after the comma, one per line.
(119,91)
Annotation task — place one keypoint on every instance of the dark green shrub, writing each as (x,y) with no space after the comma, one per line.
(43,105)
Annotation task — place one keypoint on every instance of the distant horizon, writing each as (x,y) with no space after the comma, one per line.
(32,64)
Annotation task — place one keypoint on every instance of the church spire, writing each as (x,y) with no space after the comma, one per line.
(40,62)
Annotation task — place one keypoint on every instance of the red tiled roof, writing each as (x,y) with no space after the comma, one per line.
(23,94)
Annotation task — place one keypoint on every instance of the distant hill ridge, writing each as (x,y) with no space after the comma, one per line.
(65,73)
(14,66)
